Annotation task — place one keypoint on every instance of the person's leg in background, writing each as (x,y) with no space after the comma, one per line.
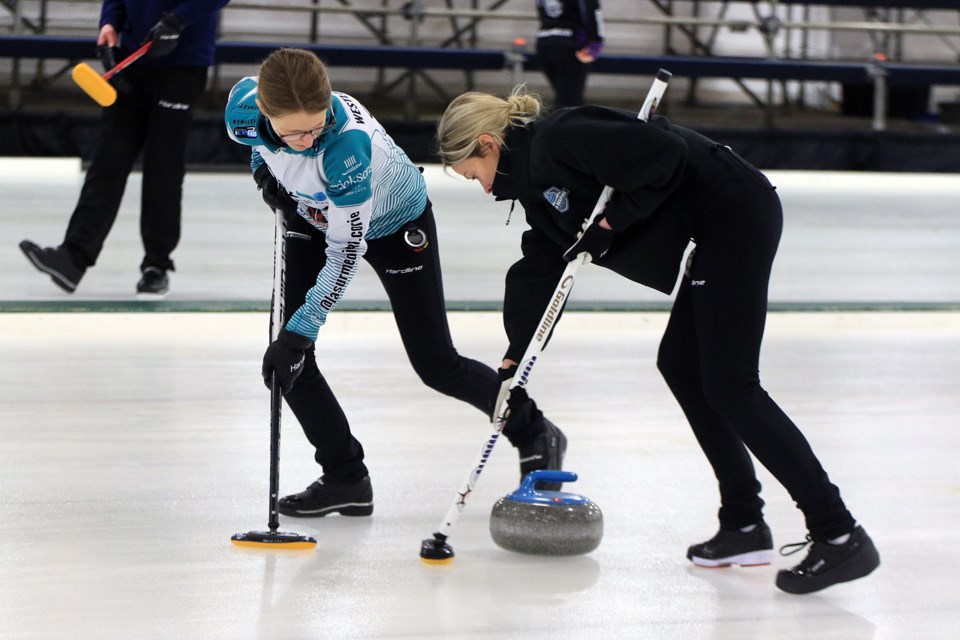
(119,140)
(567,75)
(174,91)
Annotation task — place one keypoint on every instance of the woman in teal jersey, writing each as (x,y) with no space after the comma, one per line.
(350,192)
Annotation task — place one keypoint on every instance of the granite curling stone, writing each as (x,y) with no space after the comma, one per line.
(546,523)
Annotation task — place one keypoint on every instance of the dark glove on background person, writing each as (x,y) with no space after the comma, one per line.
(594,239)
(273,193)
(165,36)
(108,58)
(284,358)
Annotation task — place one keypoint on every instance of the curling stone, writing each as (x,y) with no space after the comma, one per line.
(546,523)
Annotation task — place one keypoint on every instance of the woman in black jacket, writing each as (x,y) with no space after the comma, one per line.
(671,185)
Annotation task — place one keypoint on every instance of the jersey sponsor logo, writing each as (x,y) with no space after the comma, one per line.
(350,180)
(350,257)
(296,235)
(244,132)
(351,164)
(559,198)
(698,283)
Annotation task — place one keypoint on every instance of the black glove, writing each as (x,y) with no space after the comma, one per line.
(108,58)
(165,36)
(504,377)
(273,193)
(594,239)
(522,413)
(284,358)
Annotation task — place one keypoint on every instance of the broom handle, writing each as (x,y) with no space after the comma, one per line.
(130,59)
(276,398)
(562,292)
(538,342)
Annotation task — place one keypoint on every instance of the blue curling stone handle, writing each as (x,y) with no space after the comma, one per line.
(527,493)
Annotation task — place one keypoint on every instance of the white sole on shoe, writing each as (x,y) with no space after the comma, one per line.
(751,559)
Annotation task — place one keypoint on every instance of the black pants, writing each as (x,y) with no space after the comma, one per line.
(413,283)
(154,116)
(567,75)
(710,356)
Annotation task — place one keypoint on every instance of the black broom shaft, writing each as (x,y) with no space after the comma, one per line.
(275,399)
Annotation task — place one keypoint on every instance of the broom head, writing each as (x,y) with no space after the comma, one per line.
(94,85)
(273,540)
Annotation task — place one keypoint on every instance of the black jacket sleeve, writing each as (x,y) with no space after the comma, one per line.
(529,286)
(641,161)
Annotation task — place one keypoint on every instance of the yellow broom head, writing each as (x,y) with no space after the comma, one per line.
(277,540)
(94,85)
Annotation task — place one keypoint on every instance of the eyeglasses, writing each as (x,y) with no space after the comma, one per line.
(312,133)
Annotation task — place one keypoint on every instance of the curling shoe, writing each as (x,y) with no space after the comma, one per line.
(154,283)
(728,547)
(325,496)
(828,564)
(56,263)
(546,451)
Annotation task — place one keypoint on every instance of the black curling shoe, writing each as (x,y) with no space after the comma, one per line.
(155,283)
(829,564)
(56,262)
(324,496)
(729,547)
(546,451)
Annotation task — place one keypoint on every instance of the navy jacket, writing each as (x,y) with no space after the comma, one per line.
(133,20)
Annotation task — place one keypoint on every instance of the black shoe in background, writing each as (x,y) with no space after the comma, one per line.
(153,283)
(829,564)
(56,263)
(325,496)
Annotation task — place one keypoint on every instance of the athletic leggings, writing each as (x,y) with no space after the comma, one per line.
(567,75)
(710,356)
(413,283)
(153,115)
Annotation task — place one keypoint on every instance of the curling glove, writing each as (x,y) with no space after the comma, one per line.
(108,58)
(165,36)
(273,192)
(284,358)
(594,240)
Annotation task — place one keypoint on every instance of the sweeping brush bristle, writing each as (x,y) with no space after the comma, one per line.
(273,540)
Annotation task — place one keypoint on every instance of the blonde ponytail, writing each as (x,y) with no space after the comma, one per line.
(472,114)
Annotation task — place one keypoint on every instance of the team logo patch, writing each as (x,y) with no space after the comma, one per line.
(318,217)
(244,132)
(559,198)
